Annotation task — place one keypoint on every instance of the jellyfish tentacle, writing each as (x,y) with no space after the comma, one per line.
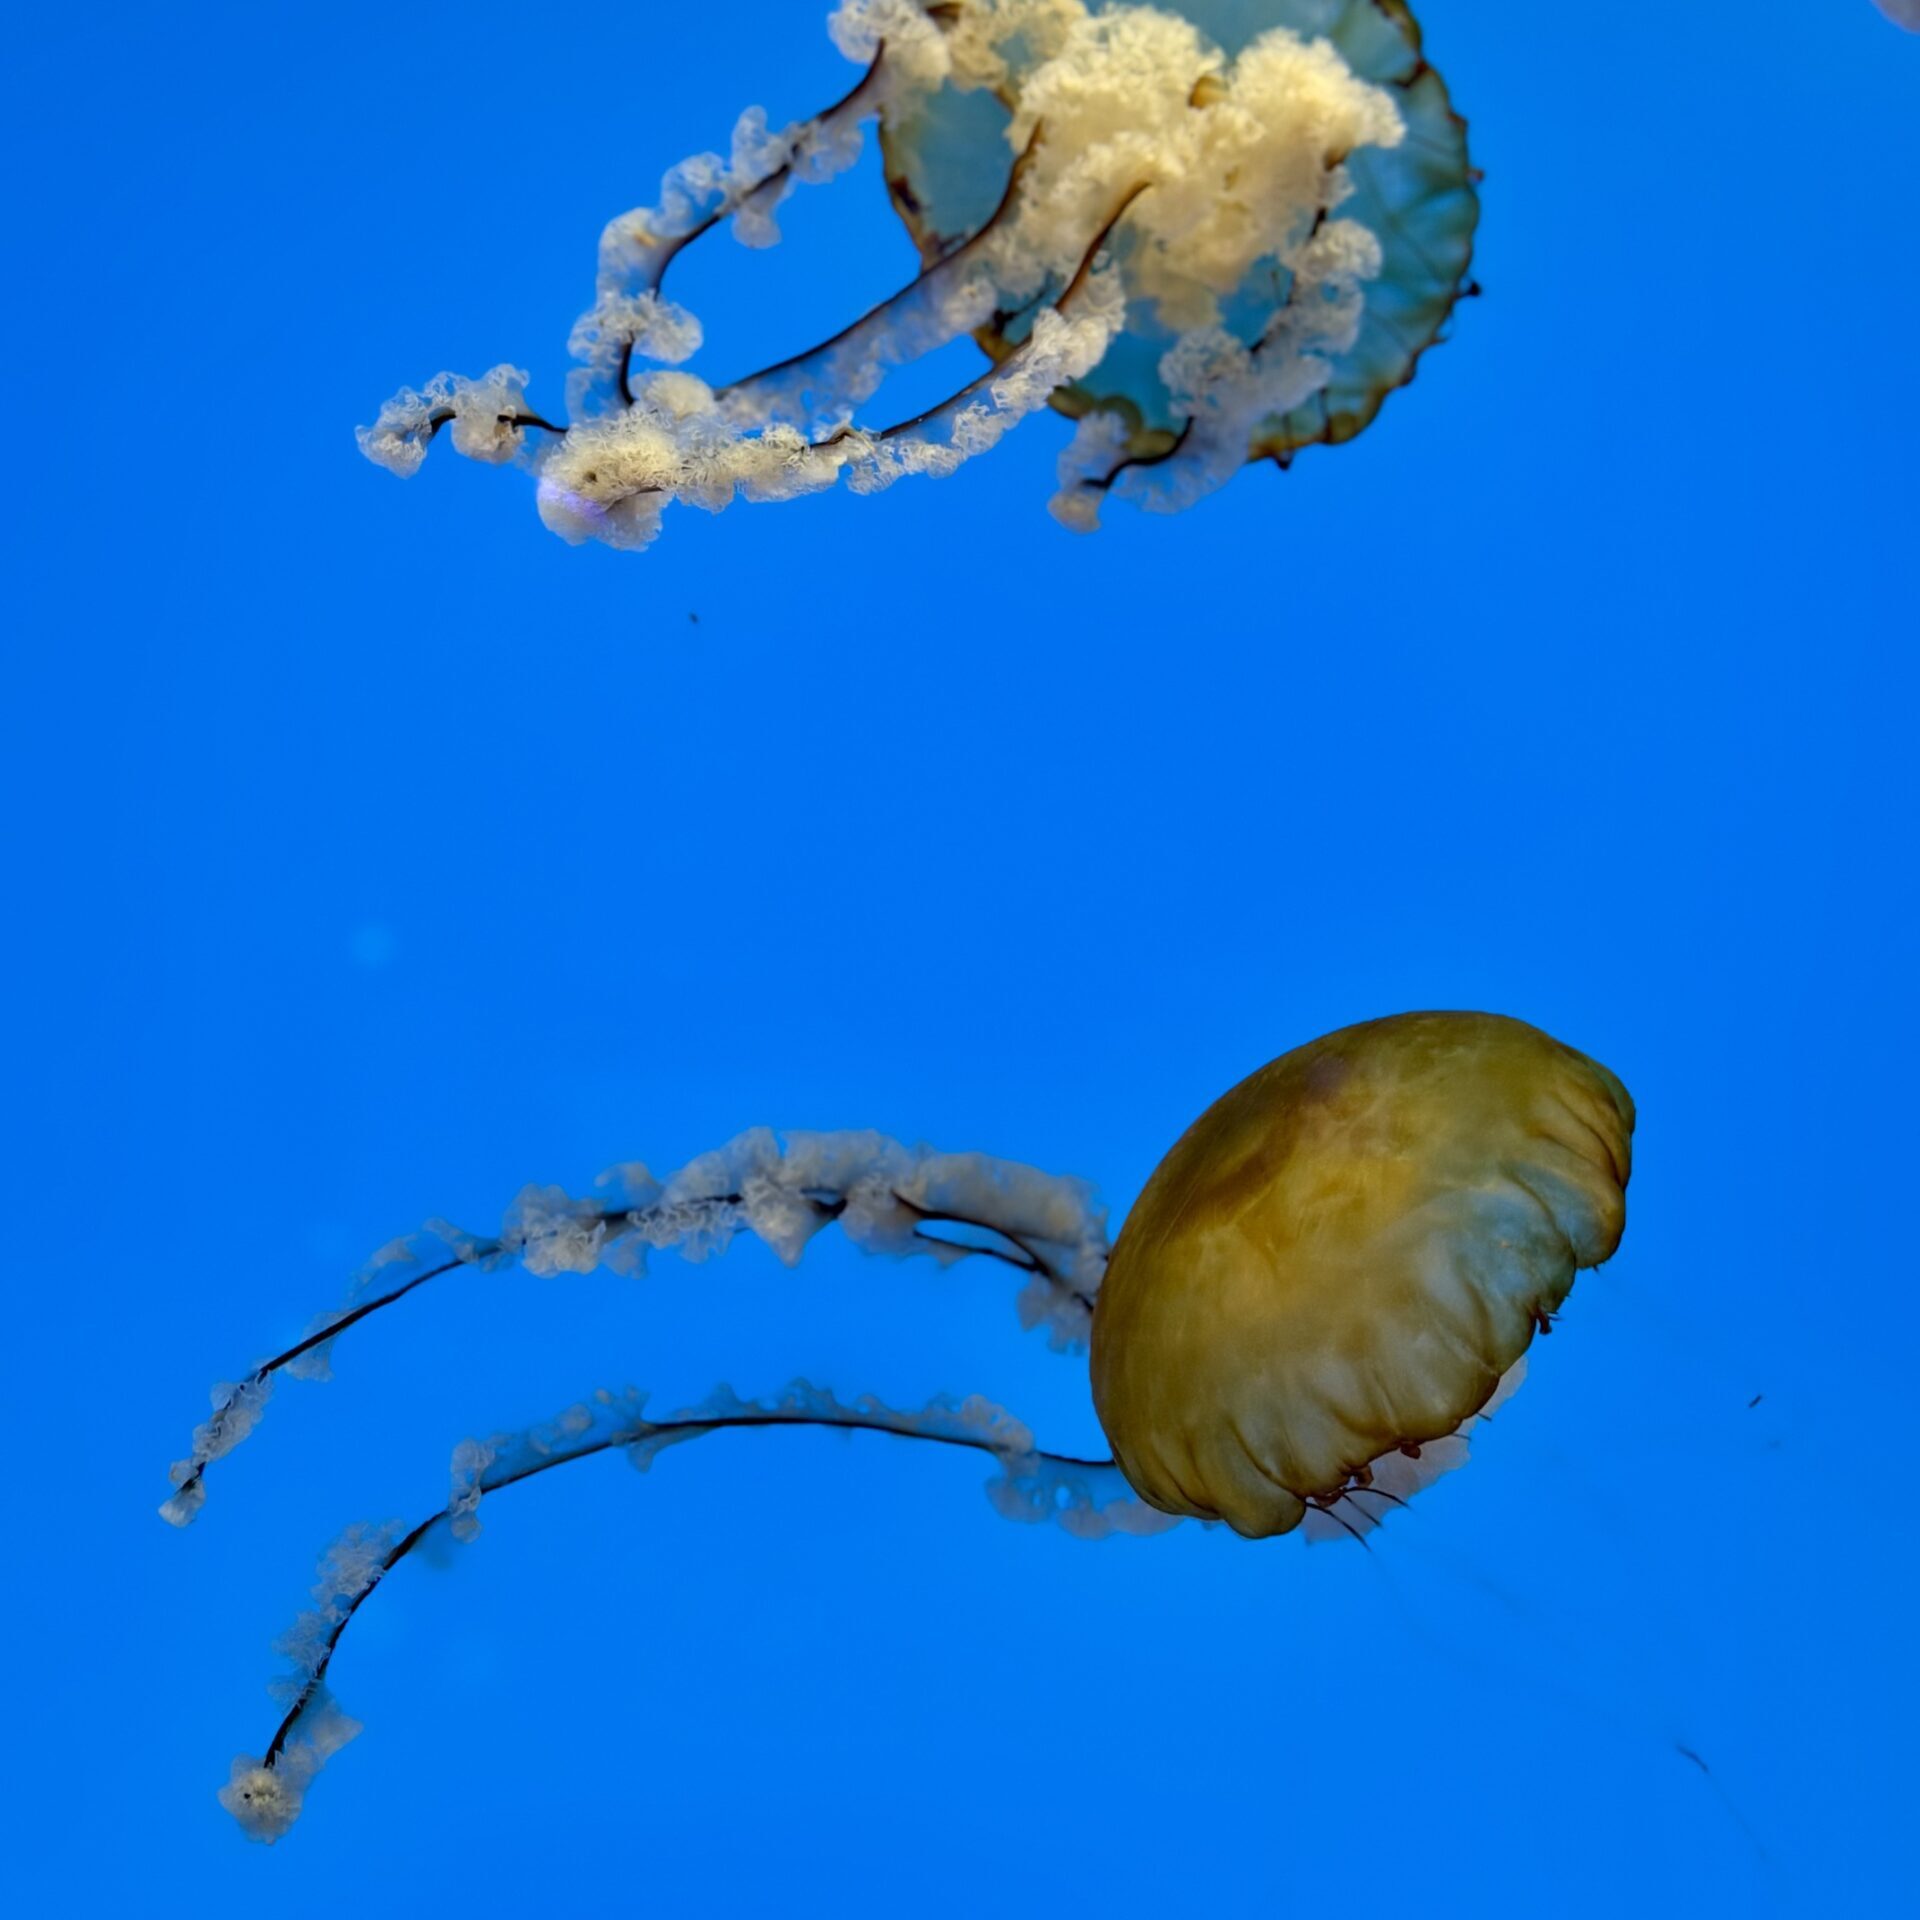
(1222,389)
(635,254)
(442,416)
(1027,1257)
(1099,455)
(1146,459)
(783,1193)
(939,301)
(1354,1492)
(1064,341)
(1181,444)
(1070,293)
(856,103)
(1330,1510)
(489,417)
(223,1429)
(611,479)
(945,1246)
(264,1794)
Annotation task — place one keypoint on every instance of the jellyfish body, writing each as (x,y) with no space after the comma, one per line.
(1343,1259)
(1211,231)
(1398,173)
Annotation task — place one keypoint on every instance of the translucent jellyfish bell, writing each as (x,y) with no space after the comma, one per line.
(1211,231)
(1342,1262)
(1407,215)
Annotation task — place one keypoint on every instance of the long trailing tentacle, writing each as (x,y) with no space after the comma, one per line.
(1089,1498)
(637,248)
(1017,362)
(954,295)
(660,242)
(611,479)
(885,1197)
(629,314)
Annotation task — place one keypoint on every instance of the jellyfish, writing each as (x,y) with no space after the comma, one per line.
(1343,1262)
(1209,232)
(1325,1287)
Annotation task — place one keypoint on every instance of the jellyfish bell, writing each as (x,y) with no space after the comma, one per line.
(1209,230)
(1342,1262)
(1298,342)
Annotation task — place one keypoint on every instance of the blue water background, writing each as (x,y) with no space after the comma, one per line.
(374,853)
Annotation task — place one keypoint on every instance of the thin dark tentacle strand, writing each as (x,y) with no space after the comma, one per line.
(1104,481)
(733,202)
(619,1221)
(1032,1260)
(978,237)
(439,418)
(267,1368)
(1373,1519)
(1351,1492)
(986,379)
(641,1430)
(1329,1509)
(736,200)
(1060,305)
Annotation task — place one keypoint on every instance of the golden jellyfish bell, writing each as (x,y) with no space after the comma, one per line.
(1343,1260)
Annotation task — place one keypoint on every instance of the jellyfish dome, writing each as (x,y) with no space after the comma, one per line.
(1217,328)
(1341,1265)
(1211,232)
